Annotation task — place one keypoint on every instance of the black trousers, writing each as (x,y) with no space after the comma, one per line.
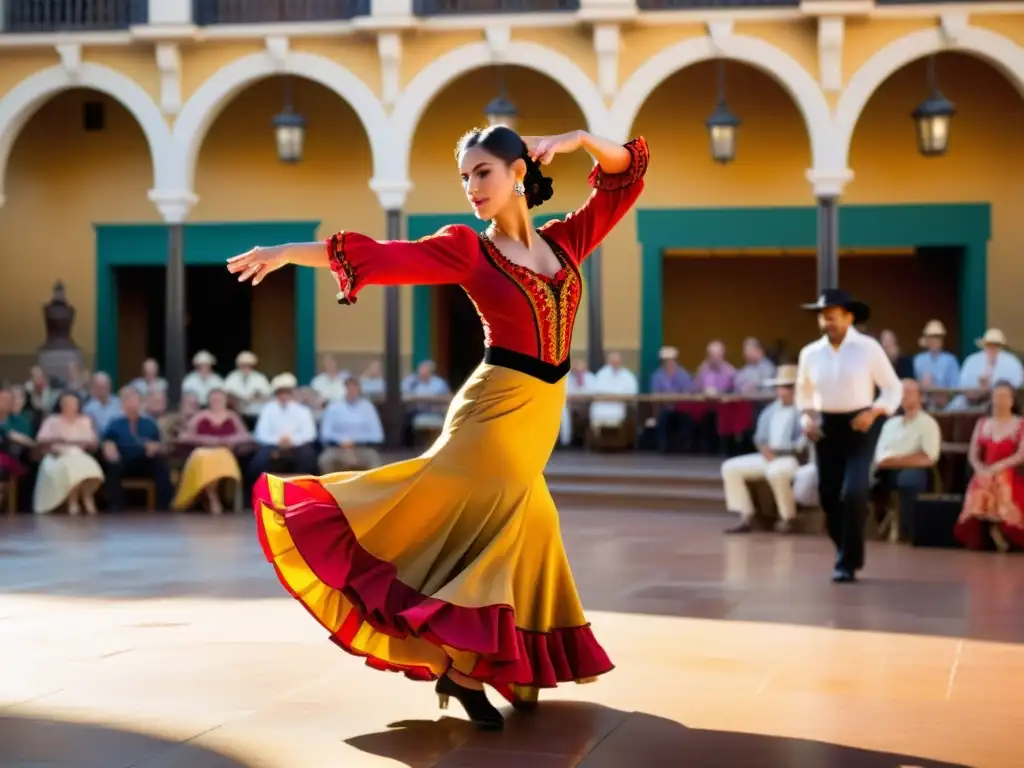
(844,458)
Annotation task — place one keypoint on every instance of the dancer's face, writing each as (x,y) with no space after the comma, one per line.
(489,181)
(835,321)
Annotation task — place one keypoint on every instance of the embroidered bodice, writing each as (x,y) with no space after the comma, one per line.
(522,311)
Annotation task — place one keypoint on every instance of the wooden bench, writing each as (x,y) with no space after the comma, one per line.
(147,487)
(9,494)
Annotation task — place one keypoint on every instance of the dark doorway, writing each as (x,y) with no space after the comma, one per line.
(218,318)
(458,335)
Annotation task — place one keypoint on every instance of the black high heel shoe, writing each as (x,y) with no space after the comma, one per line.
(483,714)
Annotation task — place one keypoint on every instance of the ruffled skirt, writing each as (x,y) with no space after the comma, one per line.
(453,558)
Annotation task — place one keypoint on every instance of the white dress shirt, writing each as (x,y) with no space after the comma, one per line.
(292,419)
(903,437)
(330,387)
(356,422)
(202,386)
(843,379)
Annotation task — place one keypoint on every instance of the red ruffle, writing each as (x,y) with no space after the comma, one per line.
(508,655)
(611,182)
(344,272)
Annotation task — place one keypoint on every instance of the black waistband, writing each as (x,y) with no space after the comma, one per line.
(531,366)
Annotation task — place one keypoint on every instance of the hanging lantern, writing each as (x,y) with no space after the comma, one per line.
(933,117)
(722,125)
(501,111)
(289,130)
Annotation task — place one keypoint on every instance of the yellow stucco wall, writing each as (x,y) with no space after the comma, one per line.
(63,180)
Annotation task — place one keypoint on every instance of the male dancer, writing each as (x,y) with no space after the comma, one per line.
(836,380)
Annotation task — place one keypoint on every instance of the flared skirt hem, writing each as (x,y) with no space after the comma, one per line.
(331,558)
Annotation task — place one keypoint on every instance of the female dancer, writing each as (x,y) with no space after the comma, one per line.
(450,566)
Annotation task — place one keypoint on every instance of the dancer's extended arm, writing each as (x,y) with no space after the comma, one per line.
(617,180)
(357,260)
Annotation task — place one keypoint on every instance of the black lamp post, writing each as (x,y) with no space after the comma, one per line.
(289,130)
(933,116)
(722,124)
(501,111)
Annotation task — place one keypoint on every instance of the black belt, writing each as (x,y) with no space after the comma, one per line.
(528,364)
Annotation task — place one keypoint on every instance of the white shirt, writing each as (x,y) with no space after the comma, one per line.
(330,387)
(900,437)
(201,386)
(351,422)
(842,380)
(781,427)
(293,419)
(611,381)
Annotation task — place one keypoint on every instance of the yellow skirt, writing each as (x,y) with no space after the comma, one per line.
(204,467)
(453,558)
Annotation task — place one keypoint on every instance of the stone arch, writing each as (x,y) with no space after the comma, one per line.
(22,101)
(800,85)
(210,99)
(1001,52)
(443,71)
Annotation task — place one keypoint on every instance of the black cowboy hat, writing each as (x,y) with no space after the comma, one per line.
(837,297)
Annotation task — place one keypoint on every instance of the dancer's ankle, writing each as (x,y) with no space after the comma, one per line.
(466,682)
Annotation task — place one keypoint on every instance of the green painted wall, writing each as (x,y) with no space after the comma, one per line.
(966,226)
(420,225)
(122,245)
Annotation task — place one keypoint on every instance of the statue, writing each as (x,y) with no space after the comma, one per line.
(59,350)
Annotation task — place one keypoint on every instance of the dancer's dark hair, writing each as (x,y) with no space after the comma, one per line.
(1004,384)
(507,145)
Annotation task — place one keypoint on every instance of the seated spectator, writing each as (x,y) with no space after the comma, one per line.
(935,367)
(372,381)
(77,381)
(214,434)
(351,432)
(102,406)
(329,384)
(68,473)
(424,415)
(202,378)
(173,422)
(779,439)
(757,369)
(982,369)
(715,376)
(150,381)
(902,364)
(246,386)
(579,381)
(613,379)
(995,495)
(675,428)
(908,447)
(285,432)
(15,437)
(133,448)
(41,395)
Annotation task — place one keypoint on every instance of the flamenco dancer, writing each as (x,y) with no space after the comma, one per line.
(450,566)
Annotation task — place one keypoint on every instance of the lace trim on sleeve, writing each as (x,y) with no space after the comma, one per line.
(611,182)
(342,268)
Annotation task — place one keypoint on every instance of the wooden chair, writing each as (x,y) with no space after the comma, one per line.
(145,486)
(9,493)
(888,529)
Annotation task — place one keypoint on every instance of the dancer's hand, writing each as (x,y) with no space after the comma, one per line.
(543,149)
(258,263)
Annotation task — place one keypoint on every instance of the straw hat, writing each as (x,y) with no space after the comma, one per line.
(202,357)
(837,297)
(785,376)
(933,328)
(993,337)
(246,358)
(668,353)
(283,381)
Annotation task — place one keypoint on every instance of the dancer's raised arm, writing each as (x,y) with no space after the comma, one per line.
(617,180)
(357,260)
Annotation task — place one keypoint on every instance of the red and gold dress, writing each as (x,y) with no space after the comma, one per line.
(455,558)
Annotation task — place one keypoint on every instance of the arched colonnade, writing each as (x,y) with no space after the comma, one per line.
(175,147)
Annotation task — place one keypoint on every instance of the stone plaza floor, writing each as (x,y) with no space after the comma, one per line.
(162,640)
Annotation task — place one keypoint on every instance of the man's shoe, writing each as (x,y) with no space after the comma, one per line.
(785,527)
(744,526)
(843,576)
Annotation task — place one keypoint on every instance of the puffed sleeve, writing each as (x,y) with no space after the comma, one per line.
(445,257)
(582,231)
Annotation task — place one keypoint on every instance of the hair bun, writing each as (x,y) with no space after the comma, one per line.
(539,190)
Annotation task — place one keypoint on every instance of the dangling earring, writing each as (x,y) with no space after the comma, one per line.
(519,188)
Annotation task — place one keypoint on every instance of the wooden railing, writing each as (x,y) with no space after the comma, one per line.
(455,7)
(72,15)
(207,12)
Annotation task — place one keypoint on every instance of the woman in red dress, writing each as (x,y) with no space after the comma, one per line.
(450,566)
(995,496)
